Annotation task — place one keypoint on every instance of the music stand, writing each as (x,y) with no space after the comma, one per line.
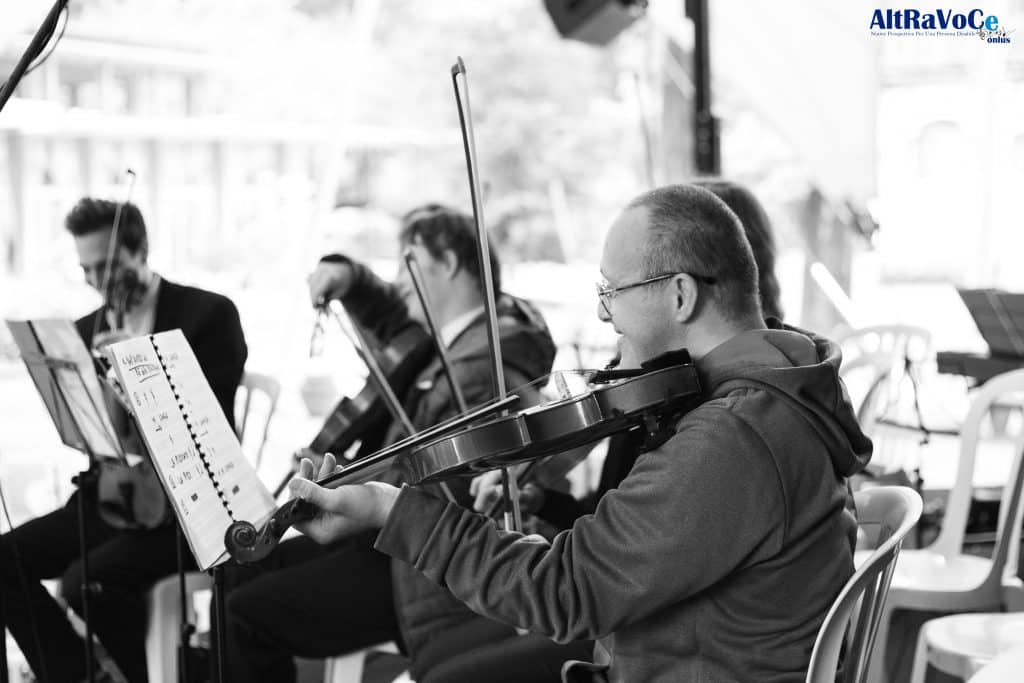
(999,316)
(62,386)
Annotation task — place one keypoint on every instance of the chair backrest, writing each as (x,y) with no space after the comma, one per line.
(883,350)
(950,540)
(886,514)
(255,383)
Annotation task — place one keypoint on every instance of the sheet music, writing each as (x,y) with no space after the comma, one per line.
(246,496)
(193,448)
(60,339)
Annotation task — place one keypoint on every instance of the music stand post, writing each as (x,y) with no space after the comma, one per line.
(84,481)
(219,625)
(4,672)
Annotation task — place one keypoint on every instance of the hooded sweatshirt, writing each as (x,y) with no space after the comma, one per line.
(716,558)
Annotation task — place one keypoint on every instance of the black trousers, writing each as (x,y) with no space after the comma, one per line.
(483,650)
(316,601)
(307,600)
(123,565)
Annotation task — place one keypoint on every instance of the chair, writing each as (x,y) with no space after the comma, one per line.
(349,668)
(164,627)
(886,514)
(881,352)
(942,578)
(255,383)
(962,644)
(1006,667)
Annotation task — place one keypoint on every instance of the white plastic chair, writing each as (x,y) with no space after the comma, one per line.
(880,352)
(164,627)
(1006,667)
(254,383)
(942,578)
(885,514)
(962,644)
(349,668)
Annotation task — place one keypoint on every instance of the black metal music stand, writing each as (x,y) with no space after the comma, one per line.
(44,369)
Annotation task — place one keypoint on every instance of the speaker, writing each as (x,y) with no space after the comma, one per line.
(593,21)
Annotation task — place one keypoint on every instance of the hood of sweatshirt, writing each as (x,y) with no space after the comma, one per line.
(804,367)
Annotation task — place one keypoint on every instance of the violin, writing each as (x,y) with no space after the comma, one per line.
(401,359)
(246,544)
(129,496)
(643,399)
(651,399)
(354,419)
(393,367)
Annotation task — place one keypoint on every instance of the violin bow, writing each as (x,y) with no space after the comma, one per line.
(513,516)
(247,544)
(362,346)
(420,285)
(645,130)
(112,249)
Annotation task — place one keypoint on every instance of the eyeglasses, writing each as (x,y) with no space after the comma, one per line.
(606,293)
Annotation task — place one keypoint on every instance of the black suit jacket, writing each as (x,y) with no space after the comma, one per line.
(211,325)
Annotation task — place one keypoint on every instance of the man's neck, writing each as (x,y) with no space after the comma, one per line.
(456,313)
(701,339)
(455,303)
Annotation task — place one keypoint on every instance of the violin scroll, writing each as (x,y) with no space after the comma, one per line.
(247,545)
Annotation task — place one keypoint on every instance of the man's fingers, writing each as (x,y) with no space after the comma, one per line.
(327,466)
(309,491)
(305,469)
(485,497)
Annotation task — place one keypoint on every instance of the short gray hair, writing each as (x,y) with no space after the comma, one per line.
(691,230)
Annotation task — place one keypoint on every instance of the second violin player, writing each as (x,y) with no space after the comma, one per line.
(275,615)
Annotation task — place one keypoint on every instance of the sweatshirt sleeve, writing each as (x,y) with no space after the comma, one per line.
(374,303)
(691,512)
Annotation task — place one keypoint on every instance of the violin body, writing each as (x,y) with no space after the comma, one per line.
(131,497)
(556,427)
(351,419)
(128,496)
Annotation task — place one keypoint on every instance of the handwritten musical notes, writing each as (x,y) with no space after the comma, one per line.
(194,450)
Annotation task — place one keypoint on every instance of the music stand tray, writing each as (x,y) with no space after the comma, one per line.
(999,316)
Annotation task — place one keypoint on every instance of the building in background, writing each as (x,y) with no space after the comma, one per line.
(213,172)
(951,156)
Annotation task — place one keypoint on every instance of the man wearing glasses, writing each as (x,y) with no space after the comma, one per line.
(123,562)
(719,554)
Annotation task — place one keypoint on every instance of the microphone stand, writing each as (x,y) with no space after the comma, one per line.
(42,35)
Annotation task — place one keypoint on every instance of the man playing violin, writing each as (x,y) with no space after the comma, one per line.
(719,554)
(123,561)
(316,602)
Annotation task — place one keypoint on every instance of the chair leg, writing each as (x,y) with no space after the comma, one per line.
(920,656)
(876,661)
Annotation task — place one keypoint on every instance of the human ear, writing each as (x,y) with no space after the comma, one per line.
(449,263)
(684,297)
